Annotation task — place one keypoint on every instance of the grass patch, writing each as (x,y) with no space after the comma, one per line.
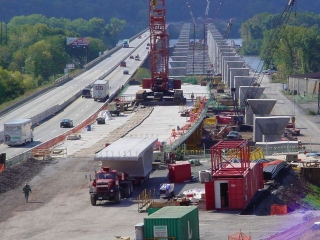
(140,74)
(313,198)
(26,94)
(311,112)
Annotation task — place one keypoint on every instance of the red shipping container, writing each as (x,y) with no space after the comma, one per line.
(179,172)
(241,189)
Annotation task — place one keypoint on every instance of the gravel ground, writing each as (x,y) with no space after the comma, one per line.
(60,208)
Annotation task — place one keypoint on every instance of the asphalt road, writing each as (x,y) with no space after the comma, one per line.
(81,108)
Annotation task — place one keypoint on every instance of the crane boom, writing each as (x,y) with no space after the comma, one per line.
(227,32)
(160,84)
(207,9)
(159,42)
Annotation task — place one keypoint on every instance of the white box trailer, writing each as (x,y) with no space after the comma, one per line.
(18,132)
(129,155)
(100,90)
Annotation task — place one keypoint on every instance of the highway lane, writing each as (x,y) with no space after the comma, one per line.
(80,109)
(62,93)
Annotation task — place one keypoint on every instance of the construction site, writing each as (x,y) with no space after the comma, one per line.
(220,159)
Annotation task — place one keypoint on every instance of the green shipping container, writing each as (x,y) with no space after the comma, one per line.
(181,222)
(152,210)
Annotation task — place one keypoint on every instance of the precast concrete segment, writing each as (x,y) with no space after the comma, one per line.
(249,92)
(242,81)
(233,64)
(181,53)
(257,135)
(221,54)
(174,64)
(179,58)
(224,54)
(237,72)
(272,127)
(221,64)
(252,93)
(260,108)
(130,155)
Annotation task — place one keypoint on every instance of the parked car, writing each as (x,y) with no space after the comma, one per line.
(147,47)
(66,123)
(148,44)
(126,71)
(131,57)
(234,135)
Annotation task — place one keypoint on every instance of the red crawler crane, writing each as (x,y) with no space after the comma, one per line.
(162,87)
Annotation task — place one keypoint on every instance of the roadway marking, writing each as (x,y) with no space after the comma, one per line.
(77,114)
(53,130)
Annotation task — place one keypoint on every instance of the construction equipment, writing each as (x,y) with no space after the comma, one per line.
(227,32)
(162,87)
(110,185)
(166,190)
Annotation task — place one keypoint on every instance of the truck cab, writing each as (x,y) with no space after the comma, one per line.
(109,185)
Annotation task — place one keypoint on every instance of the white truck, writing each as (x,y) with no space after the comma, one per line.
(100,90)
(18,132)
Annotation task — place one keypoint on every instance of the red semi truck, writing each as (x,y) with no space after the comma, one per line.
(112,185)
(132,157)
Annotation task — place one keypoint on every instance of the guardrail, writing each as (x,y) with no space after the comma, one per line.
(64,79)
(62,137)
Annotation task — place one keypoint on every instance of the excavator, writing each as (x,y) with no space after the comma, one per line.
(161,88)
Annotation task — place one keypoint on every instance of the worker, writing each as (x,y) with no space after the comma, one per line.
(27,190)
(192,96)
(94,183)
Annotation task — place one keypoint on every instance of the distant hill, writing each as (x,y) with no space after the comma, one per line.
(136,12)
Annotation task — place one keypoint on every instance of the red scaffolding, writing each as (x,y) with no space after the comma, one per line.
(230,158)
(159,46)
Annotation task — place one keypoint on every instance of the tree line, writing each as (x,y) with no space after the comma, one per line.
(135,13)
(33,50)
(297,52)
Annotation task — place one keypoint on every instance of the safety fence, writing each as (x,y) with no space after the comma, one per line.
(144,199)
(279,209)
(46,154)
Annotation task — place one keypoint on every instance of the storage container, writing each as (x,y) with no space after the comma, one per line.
(179,172)
(180,222)
(152,210)
(204,175)
(139,231)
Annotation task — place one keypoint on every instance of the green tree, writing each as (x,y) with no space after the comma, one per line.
(113,29)
(95,46)
(39,62)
